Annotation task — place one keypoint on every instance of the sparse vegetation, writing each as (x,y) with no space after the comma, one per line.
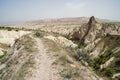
(29,44)
(113,42)
(67,71)
(80,45)
(81,55)
(70,72)
(38,34)
(4,54)
(7,28)
(24,59)
(14,28)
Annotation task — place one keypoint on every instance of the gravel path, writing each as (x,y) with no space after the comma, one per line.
(43,67)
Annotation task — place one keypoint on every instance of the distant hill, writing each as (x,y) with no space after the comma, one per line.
(56,21)
(74,20)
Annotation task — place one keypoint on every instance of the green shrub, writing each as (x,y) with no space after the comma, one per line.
(109,72)
(101,60)
(70,72)
(80,45)
(9,28)
(38,34)
(117,63)
(66,72)
(4,53)
(81,54)
(68,75)
(17,40)
(16,30)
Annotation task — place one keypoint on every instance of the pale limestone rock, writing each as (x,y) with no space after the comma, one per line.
(107,63)
(1,52)
(116,75)
(90,46)
(8,37)
(62,41)
(72,65)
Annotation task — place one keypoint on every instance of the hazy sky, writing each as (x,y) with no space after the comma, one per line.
(26,10)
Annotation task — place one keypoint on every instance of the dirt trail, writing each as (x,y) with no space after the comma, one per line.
(43,67)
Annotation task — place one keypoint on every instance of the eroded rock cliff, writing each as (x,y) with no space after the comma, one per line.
(102,43)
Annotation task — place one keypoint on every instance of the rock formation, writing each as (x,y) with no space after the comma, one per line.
(85,30)
(102,45)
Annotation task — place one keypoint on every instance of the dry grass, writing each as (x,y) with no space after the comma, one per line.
(29,44)
(19,62)
(62,61)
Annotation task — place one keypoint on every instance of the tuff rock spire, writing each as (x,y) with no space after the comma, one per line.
(92,20)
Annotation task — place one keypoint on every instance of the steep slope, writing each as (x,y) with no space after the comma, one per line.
(19,58)
(101,42)
(108,55)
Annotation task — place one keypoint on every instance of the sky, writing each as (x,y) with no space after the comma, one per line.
(29,10)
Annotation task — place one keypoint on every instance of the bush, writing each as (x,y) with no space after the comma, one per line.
(9,28)
(17,40)
(80,45)
(67,72)
(70,73)
(37,34)
(117,63)
(109,72)
(2,27)
(16,30)
(4,53)
(82,54)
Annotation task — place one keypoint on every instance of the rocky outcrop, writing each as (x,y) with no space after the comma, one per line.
(107,63)
(102,42)
(93,30)
(61,41)
(8,37)
(87,32)
(92,21)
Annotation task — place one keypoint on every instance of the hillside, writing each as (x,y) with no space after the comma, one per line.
(61,49)
(35,56)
